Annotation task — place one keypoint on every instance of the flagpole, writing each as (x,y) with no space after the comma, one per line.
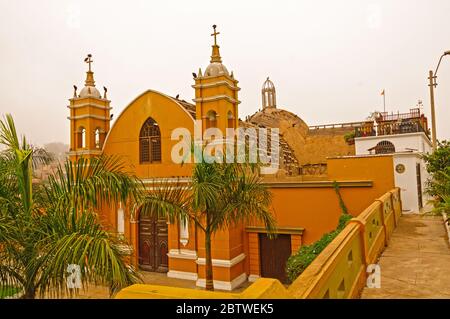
(384,101)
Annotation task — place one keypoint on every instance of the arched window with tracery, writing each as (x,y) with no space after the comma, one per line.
(384,147)
(211,119)
(150,142)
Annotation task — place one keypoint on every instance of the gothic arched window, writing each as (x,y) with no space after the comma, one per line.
(384,147)
(150,142)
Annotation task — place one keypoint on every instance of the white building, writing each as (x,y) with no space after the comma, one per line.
(405,136)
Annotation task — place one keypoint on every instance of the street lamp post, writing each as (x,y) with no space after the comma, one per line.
(432,85)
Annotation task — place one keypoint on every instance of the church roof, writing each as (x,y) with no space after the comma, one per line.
(288,160)
(189,107)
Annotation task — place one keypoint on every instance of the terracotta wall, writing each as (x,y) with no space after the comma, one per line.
(378,169)
(322,143)
(316,207)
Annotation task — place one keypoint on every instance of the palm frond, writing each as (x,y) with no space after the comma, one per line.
(89,183)
(78,239)
(166,199)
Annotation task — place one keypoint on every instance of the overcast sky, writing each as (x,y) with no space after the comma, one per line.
(329,60)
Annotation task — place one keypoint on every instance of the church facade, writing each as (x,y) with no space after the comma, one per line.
(304,204)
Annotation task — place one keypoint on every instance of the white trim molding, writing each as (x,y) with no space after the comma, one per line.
(182,254)
(88,116)
(253,278)
(223,262)
(85,152)
(162,180)
(215,84)
(97,106)
(216,98)
(182,275)
(224,285)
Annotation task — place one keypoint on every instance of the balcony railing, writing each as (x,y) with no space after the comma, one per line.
(336,125)
(391,128)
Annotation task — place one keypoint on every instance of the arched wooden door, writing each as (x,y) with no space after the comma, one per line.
(153,244)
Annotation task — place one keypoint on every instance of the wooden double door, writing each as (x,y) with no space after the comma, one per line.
(274,254)
(153,244)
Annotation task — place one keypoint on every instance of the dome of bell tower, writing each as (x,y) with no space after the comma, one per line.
(215,68)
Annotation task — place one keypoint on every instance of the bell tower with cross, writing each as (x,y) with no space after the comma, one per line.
(216,100)
(89,117)
(216,93)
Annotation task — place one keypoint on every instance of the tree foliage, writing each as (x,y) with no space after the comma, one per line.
(438,186)
(46,227)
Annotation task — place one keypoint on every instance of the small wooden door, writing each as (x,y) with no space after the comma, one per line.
(274,254)
(419,185)
(153,244)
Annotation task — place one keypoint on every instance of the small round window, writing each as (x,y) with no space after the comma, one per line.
(400,168)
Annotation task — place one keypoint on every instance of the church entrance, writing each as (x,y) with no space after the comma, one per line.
(274,254)
(153,244)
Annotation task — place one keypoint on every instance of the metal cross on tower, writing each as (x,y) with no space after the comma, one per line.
(88,60)
(215,34)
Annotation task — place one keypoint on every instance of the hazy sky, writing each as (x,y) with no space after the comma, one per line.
(329,60)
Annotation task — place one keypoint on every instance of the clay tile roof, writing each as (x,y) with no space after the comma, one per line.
(188,107)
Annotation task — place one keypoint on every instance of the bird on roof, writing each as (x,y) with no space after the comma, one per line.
(194,75)
(178,95)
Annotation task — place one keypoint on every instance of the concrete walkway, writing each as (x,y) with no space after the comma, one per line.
(416,264)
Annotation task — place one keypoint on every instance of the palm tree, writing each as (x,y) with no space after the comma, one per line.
(219,196)
(44,228)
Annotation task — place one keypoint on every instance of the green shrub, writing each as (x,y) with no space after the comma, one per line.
(438,186)
(8,291)
(298,262)
(349,136)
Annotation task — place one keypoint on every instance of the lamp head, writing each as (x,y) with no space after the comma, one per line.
(447,52)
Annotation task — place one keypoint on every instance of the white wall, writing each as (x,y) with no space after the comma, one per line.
(407,181)
(402,142)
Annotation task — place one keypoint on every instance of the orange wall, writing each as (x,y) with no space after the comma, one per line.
(378,169)
(316,209)
(123,139)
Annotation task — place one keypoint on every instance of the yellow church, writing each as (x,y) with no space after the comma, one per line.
(304,200)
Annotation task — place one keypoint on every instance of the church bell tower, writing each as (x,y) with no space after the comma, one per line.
(89,118)
(216,93)
(269,97)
